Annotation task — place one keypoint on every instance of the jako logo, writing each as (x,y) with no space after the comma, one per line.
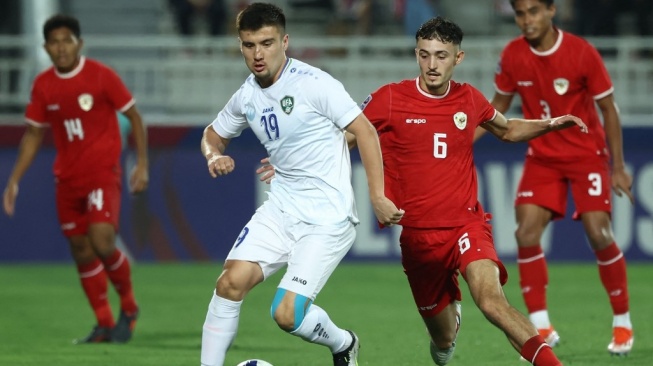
(417,121)
(297,279)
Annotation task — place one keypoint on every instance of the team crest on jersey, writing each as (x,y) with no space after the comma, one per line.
(561,85)
(85,102)
(250,113)
(287,104)
(460,119)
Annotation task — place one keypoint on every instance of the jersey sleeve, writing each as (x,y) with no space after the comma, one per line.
(36,108)
(597,78)
(482,107)
(231,121)
(503,80)
(116,90)
(377,107)
(332,100)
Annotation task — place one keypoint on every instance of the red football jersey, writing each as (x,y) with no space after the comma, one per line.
(81,106)
(566,79)
(426,142)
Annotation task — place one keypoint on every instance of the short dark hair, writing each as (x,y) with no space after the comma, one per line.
(60,20)
(548,3)
(442,29)
(258,15)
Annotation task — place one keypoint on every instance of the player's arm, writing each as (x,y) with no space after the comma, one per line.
(139,176)
(519,129)
(500,102)
(370,151)
(351,140)
(29,146)
(213,147)
(621,180)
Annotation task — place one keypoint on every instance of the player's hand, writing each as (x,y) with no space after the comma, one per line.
(138,179)
(266,171)
(219,164)
(9,198)
(386,212)
(567,121)
(622,182)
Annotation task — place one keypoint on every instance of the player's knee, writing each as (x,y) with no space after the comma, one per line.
(527,236)
(599,237)
(228,288)
(288,315)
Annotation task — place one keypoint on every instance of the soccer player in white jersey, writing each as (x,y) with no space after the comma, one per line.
(299,113)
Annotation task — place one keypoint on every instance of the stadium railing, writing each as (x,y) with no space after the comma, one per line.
(182,80)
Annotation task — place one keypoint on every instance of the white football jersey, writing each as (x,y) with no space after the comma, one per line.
(300,121)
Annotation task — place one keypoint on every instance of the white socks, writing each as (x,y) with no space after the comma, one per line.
(622,320)
(219,330)
(540,319)
(319,329)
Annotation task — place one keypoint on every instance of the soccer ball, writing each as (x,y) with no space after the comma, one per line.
(254,363)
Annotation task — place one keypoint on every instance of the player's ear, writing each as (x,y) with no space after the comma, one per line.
(460,56)
(285,43)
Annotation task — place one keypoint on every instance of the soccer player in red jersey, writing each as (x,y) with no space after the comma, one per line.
(78,98)
(555,73)
(426,128)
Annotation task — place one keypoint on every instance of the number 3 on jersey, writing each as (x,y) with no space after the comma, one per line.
(74,128)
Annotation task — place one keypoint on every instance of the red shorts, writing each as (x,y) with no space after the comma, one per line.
(546,184)
(80,203)
(432,259)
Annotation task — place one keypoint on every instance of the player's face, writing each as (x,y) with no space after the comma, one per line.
(534,18)
(264,51)
(436,61)
(63,48)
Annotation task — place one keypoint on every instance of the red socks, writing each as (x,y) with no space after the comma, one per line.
(533,277)
(537,352)
(119,272)
(94,283)
(612,270)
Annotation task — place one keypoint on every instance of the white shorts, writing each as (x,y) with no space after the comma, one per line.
(273,239)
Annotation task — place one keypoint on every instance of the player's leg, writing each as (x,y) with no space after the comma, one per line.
(103,213)
(612,272)
(434,285)
(591,189)
(71,209)
(533,270)
(316,253)
(258,252)
(94,283)
(541,197)
(102,236)
(483,278)
(222,317)
(443,329)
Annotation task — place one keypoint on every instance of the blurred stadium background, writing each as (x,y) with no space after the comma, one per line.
(181,82)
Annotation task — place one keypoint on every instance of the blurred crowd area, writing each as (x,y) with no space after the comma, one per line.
(331,17)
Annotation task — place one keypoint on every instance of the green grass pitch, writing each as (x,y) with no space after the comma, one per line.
(42,309)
